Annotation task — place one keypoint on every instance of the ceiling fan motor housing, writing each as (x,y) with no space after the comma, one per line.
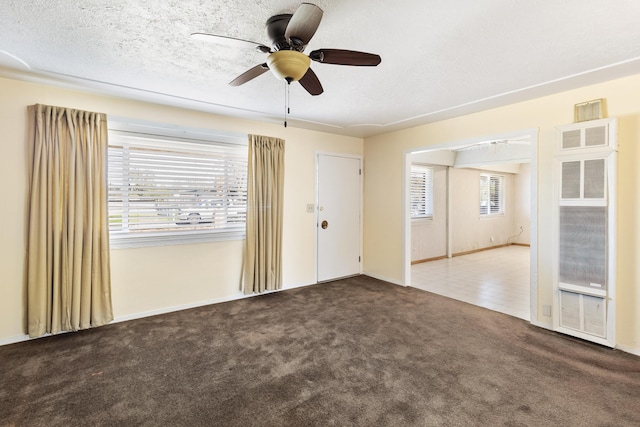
(276,28)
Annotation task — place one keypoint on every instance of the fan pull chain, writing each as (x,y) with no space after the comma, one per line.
(287,97)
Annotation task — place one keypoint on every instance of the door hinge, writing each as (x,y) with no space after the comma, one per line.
(359,259)
(359,171)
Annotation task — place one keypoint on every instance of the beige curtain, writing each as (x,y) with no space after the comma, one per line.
(68,276)
(263,251)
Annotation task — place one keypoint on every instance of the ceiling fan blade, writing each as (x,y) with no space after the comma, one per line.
(345,57)
(250,74)
(229,41)
(311,83)
(303,25)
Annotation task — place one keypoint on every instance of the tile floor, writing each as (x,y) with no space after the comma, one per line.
(497,279)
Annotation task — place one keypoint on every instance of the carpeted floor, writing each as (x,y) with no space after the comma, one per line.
(355,352)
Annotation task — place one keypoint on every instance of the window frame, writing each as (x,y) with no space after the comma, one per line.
(123,127)
(501,196)
(428,192)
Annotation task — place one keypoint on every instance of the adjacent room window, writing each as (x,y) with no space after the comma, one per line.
(165,189)
(421,192)
(491,194)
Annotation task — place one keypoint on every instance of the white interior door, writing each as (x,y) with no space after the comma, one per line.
(339,198)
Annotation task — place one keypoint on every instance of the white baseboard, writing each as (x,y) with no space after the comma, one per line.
(13,340)
(626,349)
(299,285)
(542,325)
(386,279)
(165,310)
(235,297)
(118,319)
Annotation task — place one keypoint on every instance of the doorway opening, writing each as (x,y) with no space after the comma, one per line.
(462,227)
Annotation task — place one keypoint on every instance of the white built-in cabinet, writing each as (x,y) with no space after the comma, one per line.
(584,230)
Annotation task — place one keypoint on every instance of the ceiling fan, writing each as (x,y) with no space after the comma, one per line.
(289,35)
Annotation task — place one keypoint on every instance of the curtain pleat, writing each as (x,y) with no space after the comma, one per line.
(263,250)
(68,272)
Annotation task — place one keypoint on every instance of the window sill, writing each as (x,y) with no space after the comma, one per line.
(141,240)
(422,220)
(492,216)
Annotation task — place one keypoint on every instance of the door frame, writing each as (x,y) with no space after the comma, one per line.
(316,216)
(406,213)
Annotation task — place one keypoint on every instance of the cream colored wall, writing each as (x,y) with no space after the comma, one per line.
(523,204)
(147,280)
(383,187)
(469,231)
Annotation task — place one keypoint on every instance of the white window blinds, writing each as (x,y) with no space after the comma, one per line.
(491,194)
(164,186)
(421,191)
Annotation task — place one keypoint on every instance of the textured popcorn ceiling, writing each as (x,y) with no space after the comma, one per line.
(440,58)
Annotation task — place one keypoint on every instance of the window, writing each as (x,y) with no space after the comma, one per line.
(421,192)
(166,190)
(491,194)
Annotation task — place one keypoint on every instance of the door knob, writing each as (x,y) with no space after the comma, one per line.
(324,224)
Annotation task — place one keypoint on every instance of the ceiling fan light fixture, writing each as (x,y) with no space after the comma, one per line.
(289,65)
(289,35)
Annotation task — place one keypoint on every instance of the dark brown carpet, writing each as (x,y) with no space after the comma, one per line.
(356,352)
